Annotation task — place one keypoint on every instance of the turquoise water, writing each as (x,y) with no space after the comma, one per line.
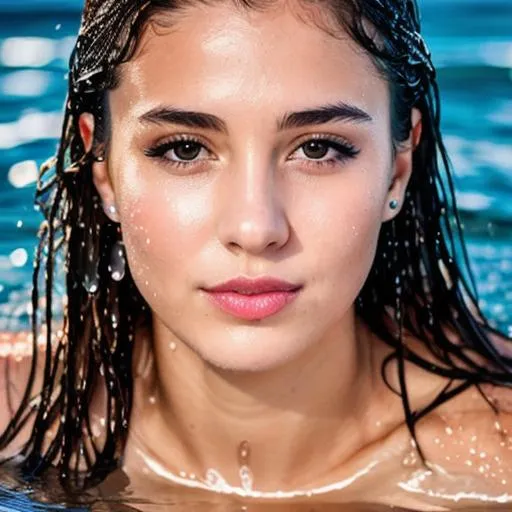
(472,49)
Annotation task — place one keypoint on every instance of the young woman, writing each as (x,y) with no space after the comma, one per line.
(263,298)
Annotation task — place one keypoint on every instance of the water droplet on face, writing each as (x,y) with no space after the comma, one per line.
(172,346)
(152,399)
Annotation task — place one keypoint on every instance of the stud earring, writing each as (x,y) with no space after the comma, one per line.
(393,204)
(111,211)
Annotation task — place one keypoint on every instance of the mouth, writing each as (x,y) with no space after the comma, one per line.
(252,306)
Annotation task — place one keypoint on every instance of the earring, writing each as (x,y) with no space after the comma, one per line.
(393,204)
(111,211)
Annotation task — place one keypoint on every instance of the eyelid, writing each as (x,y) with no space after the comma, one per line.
(166,144)
(324,136)
(345,148)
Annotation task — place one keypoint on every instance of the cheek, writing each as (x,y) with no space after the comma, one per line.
(164,224)
(343,229)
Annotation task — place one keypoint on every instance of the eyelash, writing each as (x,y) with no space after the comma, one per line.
(345,150)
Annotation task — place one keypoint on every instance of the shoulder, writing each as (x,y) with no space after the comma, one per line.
(16,363)
(466,437)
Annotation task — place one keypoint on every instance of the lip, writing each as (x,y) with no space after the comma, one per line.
(247,286)
(253,299)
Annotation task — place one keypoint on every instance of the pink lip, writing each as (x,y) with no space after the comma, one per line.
(253,299)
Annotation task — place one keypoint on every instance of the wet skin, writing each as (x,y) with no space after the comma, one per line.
(302,387)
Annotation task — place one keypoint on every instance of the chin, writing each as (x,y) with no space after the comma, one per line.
(257,352)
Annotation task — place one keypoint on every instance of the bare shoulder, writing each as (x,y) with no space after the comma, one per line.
(15,369)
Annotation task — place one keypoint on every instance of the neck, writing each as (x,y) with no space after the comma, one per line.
(289,425)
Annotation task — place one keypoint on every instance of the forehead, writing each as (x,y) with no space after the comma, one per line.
(215,55)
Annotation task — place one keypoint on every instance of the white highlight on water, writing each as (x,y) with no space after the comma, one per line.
(215,482)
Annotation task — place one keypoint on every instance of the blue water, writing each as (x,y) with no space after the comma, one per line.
(472,49)
(471,42)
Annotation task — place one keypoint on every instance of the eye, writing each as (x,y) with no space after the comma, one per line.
(180,151)
(319,147)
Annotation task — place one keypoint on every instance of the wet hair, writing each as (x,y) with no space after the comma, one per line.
(420,280)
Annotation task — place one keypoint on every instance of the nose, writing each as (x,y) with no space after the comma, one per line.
(253,218)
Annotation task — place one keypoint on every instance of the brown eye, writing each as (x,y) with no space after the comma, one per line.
(315,149)
(187,150)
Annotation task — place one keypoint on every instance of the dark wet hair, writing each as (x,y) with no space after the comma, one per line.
(416,281)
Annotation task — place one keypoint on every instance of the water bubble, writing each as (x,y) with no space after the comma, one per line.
(19,224)
(58,26)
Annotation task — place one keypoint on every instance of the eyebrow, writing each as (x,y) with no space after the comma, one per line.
(319,115)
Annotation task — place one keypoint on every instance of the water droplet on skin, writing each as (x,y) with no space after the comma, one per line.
(172,346)
(246,478)
(244,451)
(214,478)
(192,476)
(152,400)
(183,474)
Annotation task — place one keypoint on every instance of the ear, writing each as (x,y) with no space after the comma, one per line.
(100,175)
(402,167)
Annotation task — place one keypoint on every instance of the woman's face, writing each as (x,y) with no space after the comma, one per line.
(250,197)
